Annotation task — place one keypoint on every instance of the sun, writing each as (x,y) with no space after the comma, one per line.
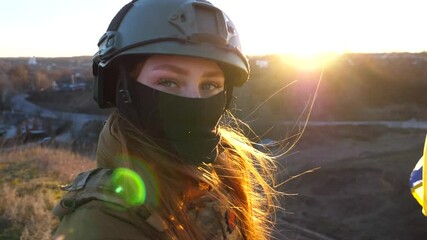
(307,61)
(304,50)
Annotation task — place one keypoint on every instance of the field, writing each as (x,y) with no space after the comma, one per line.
(359,188)
(29,186)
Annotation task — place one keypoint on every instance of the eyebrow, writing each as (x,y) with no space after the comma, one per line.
(182,71)
(213,74)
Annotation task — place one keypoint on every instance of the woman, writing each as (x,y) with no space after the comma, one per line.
(172,163)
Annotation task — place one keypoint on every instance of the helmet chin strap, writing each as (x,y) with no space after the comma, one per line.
(229,95)
(123,84)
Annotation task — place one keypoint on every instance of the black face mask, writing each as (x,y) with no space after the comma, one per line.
(185,126)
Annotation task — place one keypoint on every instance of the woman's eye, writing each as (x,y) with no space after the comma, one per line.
(210,86)
(168,83)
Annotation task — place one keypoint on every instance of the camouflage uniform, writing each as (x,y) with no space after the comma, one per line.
(91,210)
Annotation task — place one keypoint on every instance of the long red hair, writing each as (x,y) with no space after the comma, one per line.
(241,178)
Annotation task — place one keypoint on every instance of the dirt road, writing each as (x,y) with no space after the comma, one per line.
(361,190)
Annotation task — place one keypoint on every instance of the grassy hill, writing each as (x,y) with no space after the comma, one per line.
(29,186)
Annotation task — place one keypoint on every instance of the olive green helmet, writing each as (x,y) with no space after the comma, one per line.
(193,28)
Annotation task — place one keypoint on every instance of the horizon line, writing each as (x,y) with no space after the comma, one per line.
(251,55)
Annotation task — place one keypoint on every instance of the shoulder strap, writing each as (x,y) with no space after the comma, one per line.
(83,177)
(95,184)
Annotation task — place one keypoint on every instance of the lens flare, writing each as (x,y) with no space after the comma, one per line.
(129,185)
(140,176)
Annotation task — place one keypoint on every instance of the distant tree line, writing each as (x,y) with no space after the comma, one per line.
(352,87)
(25,78)
(16,75)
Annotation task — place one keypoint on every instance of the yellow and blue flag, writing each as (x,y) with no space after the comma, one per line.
(416,181)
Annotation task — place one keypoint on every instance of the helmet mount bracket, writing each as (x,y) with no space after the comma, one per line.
(201,22)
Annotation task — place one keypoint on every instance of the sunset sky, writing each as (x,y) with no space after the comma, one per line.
(47,28)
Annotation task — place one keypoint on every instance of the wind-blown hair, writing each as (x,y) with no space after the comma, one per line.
(240,178)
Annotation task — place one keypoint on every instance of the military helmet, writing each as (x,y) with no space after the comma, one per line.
(193,28)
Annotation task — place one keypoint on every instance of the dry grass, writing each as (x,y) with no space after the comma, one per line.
(29,181)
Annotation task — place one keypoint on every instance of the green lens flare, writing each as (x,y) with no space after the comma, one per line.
(129,185)
(119,189)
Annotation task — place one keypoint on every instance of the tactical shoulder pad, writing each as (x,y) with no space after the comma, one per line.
(95,184)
